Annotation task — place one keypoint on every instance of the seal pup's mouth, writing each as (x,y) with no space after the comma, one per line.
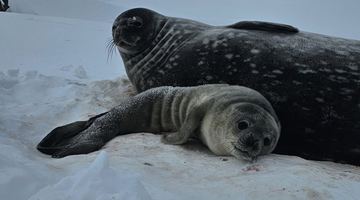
(244,153)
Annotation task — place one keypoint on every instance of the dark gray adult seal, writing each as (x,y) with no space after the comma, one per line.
(311,80)
(230,120)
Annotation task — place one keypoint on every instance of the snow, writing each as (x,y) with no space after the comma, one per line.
(95,182)
(54,69)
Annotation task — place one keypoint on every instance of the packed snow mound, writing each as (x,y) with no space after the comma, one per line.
(32,104)
(191,171)
(57,100)
(97,181)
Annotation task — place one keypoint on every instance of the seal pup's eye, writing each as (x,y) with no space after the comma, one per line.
(242,125)
(135,21)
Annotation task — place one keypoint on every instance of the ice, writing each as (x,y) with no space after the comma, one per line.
(97,181)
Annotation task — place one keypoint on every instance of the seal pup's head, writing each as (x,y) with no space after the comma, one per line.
(244,130)
(134,29)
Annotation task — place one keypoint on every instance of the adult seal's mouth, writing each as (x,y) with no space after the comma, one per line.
(121,43)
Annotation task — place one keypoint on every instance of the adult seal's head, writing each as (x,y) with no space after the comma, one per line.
(135,29)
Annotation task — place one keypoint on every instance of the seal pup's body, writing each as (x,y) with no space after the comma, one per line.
(230,120)
(312,80)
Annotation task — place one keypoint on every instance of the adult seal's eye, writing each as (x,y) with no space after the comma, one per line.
(135,22)
(242,125)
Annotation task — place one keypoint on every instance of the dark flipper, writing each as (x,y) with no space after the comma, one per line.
(57,140)
(83,147)
(264,26)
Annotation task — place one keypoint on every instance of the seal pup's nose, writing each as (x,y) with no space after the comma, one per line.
(250,146)
(251,143)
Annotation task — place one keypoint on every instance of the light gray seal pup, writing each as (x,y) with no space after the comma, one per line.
(312,80)
(229,120)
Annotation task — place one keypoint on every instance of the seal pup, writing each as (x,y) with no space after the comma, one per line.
(312,80)
(229,120)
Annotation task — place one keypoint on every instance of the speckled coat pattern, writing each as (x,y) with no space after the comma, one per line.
(312,80)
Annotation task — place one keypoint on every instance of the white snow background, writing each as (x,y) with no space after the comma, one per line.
(54,70)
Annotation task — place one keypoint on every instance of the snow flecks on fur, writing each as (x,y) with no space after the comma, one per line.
(255,51)
(229,56)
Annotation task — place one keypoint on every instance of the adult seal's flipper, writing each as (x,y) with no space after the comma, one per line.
(59,138)
(264,26)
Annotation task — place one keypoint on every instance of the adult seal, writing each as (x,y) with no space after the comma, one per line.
(311,80)
(230,120)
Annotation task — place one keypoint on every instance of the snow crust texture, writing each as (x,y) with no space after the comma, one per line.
(135,166)
(54,70)
(97,181)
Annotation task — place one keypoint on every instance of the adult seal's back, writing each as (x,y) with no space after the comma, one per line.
(311,80)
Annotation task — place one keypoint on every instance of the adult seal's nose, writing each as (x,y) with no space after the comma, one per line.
(114,28)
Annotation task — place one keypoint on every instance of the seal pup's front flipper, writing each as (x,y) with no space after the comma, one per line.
(58,138)
(264,26)
(191,124)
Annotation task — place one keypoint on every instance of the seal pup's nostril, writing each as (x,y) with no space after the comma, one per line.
(267,141)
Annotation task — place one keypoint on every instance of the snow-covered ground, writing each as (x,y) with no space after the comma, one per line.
(54,69)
